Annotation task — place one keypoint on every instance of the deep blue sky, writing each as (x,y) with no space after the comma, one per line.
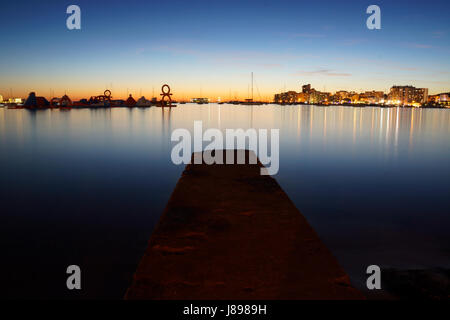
(210,47)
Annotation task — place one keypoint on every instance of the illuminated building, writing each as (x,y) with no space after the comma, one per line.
(433,98)
(1,98)
(444,97)
(440,98)
(306,88)
(318,97)
(286,97)
(342,94)
(372,97)
(308,95)
(421,95)
(14,100)
(302,97)
(311,95)
(354,97)
(407,95)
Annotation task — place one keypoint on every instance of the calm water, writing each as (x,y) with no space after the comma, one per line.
(86,187)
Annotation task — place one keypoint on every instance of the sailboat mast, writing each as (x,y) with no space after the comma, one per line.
(252,86)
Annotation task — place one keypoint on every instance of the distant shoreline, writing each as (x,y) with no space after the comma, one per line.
(355,105)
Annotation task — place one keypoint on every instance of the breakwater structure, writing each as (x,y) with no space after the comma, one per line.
(100,101)
(228,232)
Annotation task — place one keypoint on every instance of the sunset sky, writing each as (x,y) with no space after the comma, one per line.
(209,48)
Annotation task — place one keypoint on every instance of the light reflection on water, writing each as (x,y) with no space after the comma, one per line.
(89,185)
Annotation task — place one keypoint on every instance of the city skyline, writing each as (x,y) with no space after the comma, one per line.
(397,96)
(202,54)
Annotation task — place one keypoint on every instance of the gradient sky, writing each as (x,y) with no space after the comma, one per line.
(209,48)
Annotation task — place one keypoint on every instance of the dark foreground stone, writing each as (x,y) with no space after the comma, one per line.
(229,233)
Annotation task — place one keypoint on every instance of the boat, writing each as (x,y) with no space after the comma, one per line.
(251,102)
(200,100)
(143,103)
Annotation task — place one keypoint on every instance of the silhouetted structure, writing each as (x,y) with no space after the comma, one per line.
(142,102)
(167,95)
(35,102)
(101,100)
(63,103)
(130,102)
(200,100)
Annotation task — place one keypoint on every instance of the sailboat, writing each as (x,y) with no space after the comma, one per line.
(250,101)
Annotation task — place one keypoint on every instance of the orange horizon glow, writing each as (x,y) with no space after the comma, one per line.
(180,95)
(123,94)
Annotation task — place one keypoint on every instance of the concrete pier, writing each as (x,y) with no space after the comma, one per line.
(229,233)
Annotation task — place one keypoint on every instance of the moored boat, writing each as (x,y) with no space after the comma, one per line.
(143,103)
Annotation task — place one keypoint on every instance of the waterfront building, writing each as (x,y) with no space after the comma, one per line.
(308,95)
(433,98)
(421,95)
(286,97)
(372,97)
(335,99)
(408,95)
(400,94)
(354,98)
(15,100)
(312,95)
(1,98)
(343,95)
(444,97)
(302,97)
(277,98)
(318,96)
(306,88)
